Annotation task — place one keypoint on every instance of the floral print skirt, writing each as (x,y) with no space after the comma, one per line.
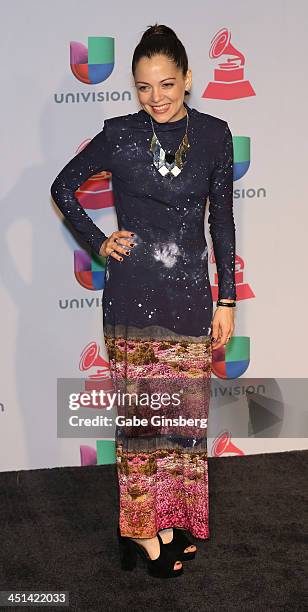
(164,382)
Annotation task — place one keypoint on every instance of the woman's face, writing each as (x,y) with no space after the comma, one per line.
(161,87)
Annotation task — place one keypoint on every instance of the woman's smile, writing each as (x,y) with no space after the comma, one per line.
(163,108)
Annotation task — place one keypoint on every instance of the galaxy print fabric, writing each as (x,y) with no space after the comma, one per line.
(157,303)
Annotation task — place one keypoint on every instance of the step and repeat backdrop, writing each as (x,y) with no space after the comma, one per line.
(67,68)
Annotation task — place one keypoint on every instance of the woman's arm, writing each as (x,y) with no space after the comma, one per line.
(221,219)
(96,156)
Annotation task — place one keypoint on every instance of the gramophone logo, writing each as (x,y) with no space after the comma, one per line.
(222,444)
(243,290)
(229,82)
(96,192)
(99,378)
(91,361)
(94,64)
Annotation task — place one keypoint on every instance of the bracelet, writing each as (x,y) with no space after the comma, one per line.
(230,304)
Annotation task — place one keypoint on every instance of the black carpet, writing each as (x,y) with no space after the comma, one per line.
(58,531)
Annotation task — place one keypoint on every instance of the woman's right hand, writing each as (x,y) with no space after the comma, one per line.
(112,245)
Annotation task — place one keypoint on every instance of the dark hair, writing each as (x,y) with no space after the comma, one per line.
(161,40)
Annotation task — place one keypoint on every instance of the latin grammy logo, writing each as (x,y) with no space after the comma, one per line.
(222,444)
(100,379)
(243,290)
(96,192)
(229,83)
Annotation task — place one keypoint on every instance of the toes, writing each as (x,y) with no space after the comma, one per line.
(191,548)
(177,565)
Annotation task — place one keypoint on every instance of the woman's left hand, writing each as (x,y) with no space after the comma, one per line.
(222,326)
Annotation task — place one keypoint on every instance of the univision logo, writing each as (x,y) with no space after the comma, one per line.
(232,360)
(92,65)
(95,63)
(89,270)
(241,150)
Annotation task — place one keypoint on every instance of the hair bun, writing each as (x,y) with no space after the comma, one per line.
(158,30)
(159,39)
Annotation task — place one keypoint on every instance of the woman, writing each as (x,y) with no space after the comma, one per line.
(158,319)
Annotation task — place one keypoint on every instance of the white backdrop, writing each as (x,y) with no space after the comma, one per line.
(43,332)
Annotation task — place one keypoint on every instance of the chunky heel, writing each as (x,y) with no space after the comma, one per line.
(162,567)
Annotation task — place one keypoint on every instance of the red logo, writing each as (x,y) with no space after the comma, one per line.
(222,444)
(243,290)
(90,359)
(229,83)
(96,192)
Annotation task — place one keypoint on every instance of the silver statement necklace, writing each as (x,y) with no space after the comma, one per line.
(169,164)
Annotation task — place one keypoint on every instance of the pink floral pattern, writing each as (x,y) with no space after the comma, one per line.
(162,471)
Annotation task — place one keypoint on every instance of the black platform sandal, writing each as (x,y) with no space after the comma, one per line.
(179,542)
(162,567)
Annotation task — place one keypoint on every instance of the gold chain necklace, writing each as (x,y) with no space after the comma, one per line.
(169,164)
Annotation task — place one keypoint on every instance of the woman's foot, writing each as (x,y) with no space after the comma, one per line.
(152,547)
(167,537)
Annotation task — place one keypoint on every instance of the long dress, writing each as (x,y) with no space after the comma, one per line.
(158,307)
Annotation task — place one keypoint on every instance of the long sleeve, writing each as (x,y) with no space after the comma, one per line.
(221,219)
(96,156)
